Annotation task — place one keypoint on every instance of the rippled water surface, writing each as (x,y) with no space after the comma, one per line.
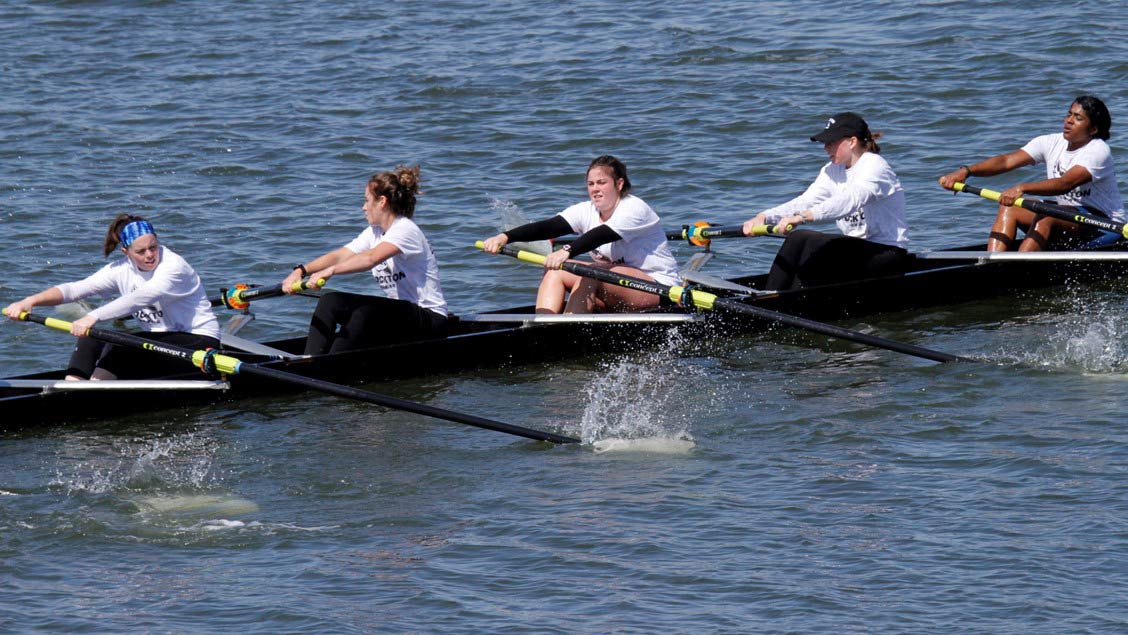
(776,483)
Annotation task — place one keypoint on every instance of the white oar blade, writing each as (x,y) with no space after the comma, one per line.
(696,262)
(716,282)
(71,311)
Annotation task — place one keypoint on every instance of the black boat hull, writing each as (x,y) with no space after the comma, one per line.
(509,341)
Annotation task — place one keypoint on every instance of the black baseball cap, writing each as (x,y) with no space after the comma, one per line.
(842,125)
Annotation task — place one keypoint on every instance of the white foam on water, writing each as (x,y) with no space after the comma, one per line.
(653,445)
(220,525)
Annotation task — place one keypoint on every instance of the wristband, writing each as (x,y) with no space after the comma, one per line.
(966,169)
(302,267)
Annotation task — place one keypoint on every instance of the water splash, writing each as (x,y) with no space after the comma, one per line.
(511,216)
(1088,334)
(152,487)
(637,404)
(180,461)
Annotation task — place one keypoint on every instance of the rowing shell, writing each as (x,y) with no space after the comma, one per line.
(518,336)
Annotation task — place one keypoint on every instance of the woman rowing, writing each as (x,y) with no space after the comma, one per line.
(620,230)
(397,253)
(860,191)
(155,285)
(1079,172)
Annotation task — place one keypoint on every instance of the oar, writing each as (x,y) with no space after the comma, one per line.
(1049,209)
(225,364)
(705,300)
(240,295)
(700,233)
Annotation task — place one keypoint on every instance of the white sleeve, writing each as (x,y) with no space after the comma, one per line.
(101,282)
(577,216)
(168,279)
(364,241)
(406,236)
(870,181)
(1039,147)
(820,190)
(633,218)
(1097,159)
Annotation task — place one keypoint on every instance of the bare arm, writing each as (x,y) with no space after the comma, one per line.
(351,262)
(319,263)
(997,164)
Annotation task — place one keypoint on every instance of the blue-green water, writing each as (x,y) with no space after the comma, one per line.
(777,487)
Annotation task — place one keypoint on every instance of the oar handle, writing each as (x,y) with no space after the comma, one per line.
(1048,209)
(239,296)
(702,232)
(519,254)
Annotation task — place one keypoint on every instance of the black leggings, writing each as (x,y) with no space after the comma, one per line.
(132,363)
(348,321)
(810,258)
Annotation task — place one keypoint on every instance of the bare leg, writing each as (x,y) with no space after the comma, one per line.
(100,374)
(620,299)
(1007,223)
(582,299)
(1046,231)
(553,287)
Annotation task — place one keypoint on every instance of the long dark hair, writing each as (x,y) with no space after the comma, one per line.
(618,171)
(1098,114)
(399,186)
(113,234)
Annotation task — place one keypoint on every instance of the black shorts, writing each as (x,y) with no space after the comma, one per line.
(132,363)
(810,258)
(349,321)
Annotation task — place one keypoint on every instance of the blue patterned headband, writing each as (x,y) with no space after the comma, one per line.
(133,231)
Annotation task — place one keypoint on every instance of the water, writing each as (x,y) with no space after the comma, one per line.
(750,484)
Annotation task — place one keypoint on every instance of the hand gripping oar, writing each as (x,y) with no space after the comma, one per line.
(1049,209)
(701,299)
(240,296)
(227,365)
(700,233)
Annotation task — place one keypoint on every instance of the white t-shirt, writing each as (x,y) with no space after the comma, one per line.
(643,244)
(412,275)
(170,298)
(867,201)
(1101,193)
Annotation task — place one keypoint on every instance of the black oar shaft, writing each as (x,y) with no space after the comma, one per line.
(238,297)
(705,300)
(400,404)
(231,365)
(1049,209)
(701,234)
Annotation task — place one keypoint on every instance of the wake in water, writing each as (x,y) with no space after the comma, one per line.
(642,403)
